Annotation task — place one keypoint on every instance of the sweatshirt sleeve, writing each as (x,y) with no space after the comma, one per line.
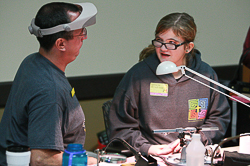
(124,116)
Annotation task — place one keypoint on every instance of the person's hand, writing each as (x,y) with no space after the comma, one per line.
(92,161)
(173,147)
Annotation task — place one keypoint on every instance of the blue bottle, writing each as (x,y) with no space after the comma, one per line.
(74,155)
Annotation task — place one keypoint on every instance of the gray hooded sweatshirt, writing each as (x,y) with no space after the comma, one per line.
(144,102)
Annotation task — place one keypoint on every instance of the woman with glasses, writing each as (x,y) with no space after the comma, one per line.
(144,101)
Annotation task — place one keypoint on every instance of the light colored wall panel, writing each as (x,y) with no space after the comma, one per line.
(123,29)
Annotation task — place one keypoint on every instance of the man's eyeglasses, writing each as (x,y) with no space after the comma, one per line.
(83,33)
(169,46)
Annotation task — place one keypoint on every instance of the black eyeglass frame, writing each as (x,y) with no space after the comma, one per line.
(176,45)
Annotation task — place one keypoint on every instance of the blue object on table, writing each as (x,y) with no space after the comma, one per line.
(74,155)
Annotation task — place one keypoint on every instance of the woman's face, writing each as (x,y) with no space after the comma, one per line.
(177,56)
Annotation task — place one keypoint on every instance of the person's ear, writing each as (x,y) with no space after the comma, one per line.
(189,47)
(60,44)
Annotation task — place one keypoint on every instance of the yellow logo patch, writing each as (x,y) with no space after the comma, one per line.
(73,92)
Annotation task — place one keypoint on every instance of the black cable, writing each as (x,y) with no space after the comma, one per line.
(140,159)
(224,141)
(127,145)
(166,162)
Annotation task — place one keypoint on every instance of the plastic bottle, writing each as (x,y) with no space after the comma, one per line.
(195,152)
(74,155)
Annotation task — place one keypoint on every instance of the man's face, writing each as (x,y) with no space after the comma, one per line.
(74,45)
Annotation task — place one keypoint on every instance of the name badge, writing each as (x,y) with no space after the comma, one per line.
(158,89)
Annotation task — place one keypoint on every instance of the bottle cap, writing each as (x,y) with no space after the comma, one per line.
(75,147)
(196,135)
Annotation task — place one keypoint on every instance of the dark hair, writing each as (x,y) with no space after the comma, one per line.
(53,14)
(182,25)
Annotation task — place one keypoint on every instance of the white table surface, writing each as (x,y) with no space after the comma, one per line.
(230,149)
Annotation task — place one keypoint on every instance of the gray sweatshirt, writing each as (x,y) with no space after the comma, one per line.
(144,102)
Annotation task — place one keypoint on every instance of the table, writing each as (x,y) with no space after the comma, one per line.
(230,149)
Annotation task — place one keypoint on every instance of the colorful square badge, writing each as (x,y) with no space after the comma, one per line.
(197,109)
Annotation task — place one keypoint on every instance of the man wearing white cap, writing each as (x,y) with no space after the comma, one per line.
(42,111)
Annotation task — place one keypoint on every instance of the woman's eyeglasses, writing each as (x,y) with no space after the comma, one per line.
(169,46)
